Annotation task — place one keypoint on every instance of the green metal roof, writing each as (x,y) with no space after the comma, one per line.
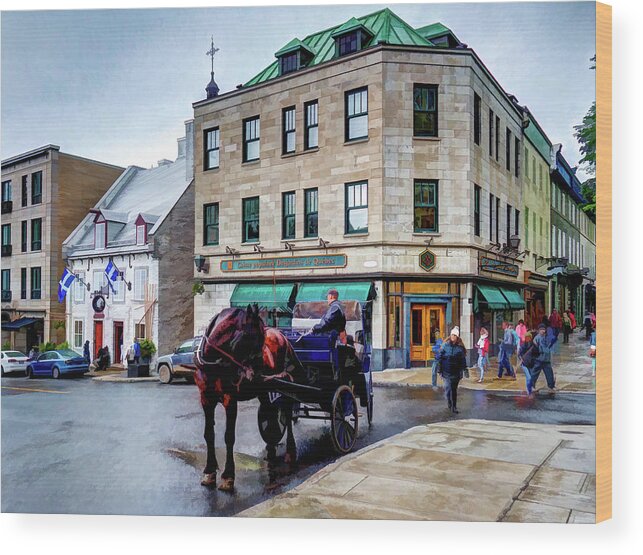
(351,291)
(384,25)
(267,296)
(516,302)
(494,298)
(293,46)
(351,25)
(433,30)
(538,139)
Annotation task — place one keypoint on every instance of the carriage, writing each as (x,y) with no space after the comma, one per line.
(338,377)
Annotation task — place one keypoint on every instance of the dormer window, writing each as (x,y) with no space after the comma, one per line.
(100,235)
(141,234)
(295,55)
(351,37)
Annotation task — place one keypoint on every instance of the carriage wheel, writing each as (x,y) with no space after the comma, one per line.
(272,423)
(344,419)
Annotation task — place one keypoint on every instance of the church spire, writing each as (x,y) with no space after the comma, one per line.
(212,89)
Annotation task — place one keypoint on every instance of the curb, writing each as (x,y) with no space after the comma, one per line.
(122,379)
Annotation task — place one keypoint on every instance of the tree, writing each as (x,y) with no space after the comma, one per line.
(586,137)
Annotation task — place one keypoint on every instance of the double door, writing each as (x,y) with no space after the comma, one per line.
(427,323)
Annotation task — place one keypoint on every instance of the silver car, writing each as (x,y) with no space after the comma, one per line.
(180,364)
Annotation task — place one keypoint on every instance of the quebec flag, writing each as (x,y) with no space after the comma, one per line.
(111,271)
(64,285)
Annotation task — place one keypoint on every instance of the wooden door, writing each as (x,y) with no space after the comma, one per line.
(118,341)
(98,336)
(427,321)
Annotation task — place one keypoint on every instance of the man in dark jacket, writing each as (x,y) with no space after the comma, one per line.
(86,353)
(452,361)
(334,319)
(543,361)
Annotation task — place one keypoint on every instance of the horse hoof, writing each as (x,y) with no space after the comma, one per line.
(227,485)
(209,479)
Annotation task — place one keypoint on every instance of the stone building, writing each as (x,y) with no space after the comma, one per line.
(370,153)
(573,241)
(45,193)
(536,195)
(144,226)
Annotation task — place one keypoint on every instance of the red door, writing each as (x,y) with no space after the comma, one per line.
(118,341)
(98,336)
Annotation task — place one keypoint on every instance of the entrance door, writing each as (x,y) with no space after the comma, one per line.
(426,322)
(118,341)
(98,336)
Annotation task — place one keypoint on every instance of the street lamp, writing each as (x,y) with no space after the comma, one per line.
(201,263)
(514,242)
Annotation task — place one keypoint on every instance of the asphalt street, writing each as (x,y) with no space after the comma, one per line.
(87,447)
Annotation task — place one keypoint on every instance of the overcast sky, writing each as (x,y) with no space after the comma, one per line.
(117,85)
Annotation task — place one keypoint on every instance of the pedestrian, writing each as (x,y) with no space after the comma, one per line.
(452,359)
(521,330)
(86,354)
(33,353)
(436,349)
(507,348)
(543,360)
(483,353)
(555,322)
(587,324)
(98,361)
(592,351)
(567,326)
(527,358)
(572,317)
(137,351)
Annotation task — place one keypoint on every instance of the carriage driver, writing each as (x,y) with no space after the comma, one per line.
(334,318)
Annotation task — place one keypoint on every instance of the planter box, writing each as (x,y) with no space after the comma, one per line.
(138,370)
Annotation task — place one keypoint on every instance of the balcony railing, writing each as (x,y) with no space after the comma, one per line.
(6,296)
(6,250)
(7,206)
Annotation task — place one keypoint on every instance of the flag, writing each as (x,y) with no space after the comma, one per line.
(112,273)
(64,285)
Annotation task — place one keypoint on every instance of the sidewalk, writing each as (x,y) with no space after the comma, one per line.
(572,368)
(465,470)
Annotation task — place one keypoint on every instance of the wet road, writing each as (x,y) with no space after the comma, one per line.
(81,446)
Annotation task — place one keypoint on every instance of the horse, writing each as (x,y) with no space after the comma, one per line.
(236,358)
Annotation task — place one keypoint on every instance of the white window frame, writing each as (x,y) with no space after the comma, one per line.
(140,283)
(119,290)
(100,235)
(77,344)
(79,288)
(141,233)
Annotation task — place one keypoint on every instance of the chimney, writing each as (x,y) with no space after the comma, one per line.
(189,150)
(181,145)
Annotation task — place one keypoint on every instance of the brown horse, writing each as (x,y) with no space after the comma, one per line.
(236,356)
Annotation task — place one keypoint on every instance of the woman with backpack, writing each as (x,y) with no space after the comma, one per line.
(527,358)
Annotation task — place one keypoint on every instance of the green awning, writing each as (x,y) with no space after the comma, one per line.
(266,296)
(353,291)
(493,296)
(515,300)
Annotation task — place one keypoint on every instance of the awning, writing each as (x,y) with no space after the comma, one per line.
(493,296)
(558,270)
(516,302)
(19,323)
(352,291)
(266,296)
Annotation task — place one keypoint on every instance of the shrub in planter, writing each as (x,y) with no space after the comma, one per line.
(6,346)
(49,346)
(147,349)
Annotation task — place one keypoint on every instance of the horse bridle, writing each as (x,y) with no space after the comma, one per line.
(202,363)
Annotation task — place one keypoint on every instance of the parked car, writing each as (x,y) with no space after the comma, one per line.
(179,364)
(57,363)
(13,361)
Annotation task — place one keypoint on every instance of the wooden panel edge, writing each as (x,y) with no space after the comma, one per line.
(604,261)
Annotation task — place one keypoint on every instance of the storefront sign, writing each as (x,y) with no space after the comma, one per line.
(498,267)
(285,263)
(427,260)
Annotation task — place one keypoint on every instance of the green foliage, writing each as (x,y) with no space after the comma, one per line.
(147,348)
(589,192)
(63,345)
(586,137)
(6,346)
(197,288)
(59,325)
(49,346)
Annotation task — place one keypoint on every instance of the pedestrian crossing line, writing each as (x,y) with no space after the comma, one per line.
(34,390)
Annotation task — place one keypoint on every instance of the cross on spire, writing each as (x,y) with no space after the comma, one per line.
(212,52)
(212,89)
